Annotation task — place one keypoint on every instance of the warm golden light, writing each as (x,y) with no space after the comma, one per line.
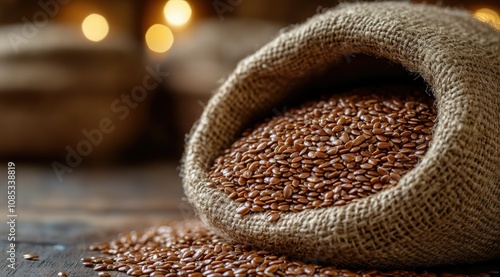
(177,12)
(489,16)
(159,38)
(95,27)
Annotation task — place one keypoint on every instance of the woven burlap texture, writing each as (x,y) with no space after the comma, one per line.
(446,210)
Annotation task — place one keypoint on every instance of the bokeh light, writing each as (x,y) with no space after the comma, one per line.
(177,12)
(95,27)
(159,38)
(488,16)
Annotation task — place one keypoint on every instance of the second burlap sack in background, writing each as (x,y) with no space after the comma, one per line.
(444,211)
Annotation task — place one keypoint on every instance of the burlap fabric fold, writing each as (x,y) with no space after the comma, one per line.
(446,210)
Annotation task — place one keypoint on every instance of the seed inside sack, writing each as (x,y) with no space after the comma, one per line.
(327,153)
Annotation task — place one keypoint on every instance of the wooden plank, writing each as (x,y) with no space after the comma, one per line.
(64,254)
(66,257)
(59,221)
(53,259)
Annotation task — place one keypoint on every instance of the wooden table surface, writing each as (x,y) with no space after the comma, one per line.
(59,220)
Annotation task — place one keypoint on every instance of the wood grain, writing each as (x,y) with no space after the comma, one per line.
(59,220)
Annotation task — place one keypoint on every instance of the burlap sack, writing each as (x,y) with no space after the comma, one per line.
(446,210)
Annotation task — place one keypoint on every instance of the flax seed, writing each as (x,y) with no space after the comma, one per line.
(273,217)
(296,160)
(99,267)
(31,256)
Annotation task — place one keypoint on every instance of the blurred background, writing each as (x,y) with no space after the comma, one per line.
(96,99)
(86,82)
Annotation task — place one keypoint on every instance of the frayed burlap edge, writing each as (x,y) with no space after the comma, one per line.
(444,211)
